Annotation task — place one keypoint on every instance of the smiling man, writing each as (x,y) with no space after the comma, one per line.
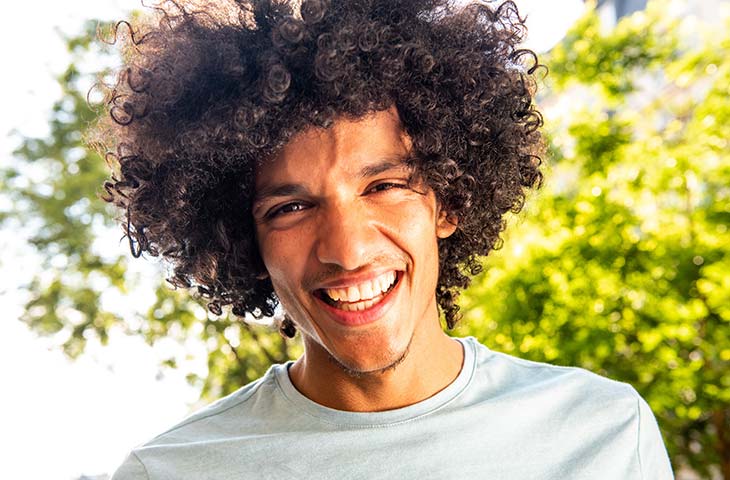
(352,162)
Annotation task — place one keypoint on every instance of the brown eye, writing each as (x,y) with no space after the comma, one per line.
(381,187)
(291,207)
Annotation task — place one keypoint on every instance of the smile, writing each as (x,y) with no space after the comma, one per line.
(359,297)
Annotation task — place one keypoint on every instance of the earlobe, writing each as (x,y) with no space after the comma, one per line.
(446,224)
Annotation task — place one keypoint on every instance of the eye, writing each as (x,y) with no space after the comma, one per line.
(382,187)
(291,207)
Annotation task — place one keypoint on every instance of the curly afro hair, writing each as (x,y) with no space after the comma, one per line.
(211,89)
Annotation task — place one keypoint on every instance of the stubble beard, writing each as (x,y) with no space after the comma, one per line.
(362,374)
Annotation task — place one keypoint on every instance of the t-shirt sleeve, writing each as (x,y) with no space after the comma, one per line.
(131,469)
(652,453)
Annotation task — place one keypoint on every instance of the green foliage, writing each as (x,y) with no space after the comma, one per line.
(52,184)
(621,263)
(610,62)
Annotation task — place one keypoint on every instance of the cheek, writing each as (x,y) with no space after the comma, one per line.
(413,231)
(281,252)
(415,224)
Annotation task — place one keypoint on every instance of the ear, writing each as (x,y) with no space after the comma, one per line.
(262,273)
(445,224)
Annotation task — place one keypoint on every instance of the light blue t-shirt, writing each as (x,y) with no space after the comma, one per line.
(502,418)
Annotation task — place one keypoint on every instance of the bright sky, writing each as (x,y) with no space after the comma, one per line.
(60,419)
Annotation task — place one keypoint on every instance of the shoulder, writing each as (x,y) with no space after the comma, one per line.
(208,423)
(509,375)
(568,397)
(226,428)
(570,403)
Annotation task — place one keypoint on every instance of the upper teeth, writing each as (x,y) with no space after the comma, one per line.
(363,291)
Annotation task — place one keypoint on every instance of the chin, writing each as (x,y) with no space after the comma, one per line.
(388,360)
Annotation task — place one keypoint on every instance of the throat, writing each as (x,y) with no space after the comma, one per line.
(411,377)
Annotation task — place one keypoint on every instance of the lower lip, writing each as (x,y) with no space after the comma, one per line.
(362,317)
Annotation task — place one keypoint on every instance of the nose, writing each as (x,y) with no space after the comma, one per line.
(346,236)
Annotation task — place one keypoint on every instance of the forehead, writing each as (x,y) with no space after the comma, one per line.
(347,145)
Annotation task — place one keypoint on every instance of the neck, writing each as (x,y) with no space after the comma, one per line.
(432,362)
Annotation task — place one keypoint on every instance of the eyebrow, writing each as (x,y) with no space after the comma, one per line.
(382,166)
(283,190)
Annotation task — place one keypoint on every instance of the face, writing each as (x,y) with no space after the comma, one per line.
(349,242)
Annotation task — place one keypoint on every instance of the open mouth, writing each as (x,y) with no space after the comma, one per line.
(361,296)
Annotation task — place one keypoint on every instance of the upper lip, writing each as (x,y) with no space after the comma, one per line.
(356,279)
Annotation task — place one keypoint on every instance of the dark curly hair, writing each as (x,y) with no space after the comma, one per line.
(209,91)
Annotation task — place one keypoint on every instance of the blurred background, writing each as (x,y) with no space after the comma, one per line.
(620,264)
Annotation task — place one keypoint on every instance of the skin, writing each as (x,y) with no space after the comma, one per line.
(335,207)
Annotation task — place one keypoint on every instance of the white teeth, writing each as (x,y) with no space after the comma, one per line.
(366,289)
(353,294)
(365,293)
(386,281)
(359,306)
(337,294)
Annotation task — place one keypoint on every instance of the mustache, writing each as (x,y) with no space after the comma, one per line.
(331,271)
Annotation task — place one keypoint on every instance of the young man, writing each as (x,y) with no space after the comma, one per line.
(352,161)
